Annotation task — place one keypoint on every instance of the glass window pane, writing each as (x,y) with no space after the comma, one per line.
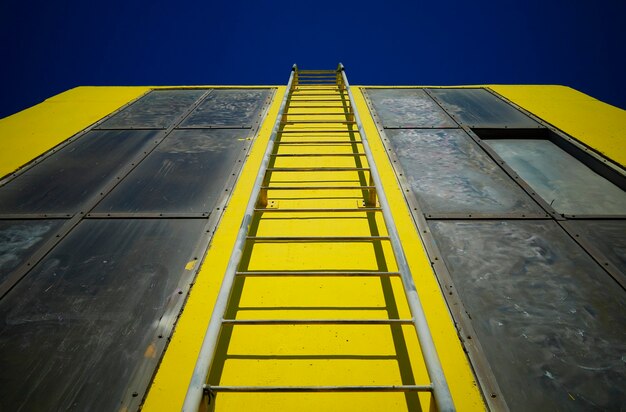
(449,173)
(234,107)
(408,108)
(78,330)
(19,239)
(609,236)
(563,181)
(549,319)
(63,181)
(186,173)
(479,108)
(157,110)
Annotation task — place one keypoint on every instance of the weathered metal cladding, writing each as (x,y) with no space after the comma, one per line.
(479,108)
(64,181)
(157,110)
(89,299)
(449,173)
(544,311)
(18,240)
(228,108)
(92,317)
(408,108)
(608,235)
(542,296)
(167,180)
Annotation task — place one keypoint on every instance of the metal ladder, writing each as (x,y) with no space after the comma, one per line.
(316,89)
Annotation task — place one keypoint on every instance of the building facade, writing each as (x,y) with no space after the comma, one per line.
(307,230)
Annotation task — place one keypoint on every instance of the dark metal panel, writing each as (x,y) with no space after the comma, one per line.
(229,108)
(157,110)
(549,319)
(408,108)
(85,329)
(91,201)
(20,238)
(62,182)
(561,180)
(479,108)
(608,236)
(449,173)
(187,173)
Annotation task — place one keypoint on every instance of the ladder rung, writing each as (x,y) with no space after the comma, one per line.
(320,100)
(328,210)
(317,154)
(318,187)
(315,114)
(312,77)
(318,122)
(318,169)
(339,93)
(317,107)
(321,142)
(317,88)
(313,239)
(319,274)
(299,72)
(358,388)
(318,74)
(319,131)
(317,321)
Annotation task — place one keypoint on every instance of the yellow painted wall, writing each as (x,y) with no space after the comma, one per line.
(32,132)
(597,124)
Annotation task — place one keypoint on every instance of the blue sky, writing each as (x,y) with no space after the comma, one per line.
(51,46)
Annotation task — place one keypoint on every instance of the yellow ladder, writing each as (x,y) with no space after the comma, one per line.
(318,180)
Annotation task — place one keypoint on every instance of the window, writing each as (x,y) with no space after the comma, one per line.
(565,183)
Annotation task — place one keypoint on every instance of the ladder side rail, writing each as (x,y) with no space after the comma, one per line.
(441,391)
(195,391)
